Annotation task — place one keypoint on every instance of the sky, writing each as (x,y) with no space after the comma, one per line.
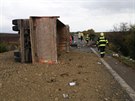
(80,15)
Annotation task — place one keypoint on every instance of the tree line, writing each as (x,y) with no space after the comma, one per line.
(121,38)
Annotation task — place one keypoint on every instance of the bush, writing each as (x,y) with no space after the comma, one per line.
(130,42)
(113,47)
(123,41)
(3,47)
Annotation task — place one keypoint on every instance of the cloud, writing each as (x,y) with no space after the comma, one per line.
(79,14)
(110,6)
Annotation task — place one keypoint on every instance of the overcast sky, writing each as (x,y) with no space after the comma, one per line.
(80,15)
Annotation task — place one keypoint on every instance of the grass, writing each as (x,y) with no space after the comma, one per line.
(125,60)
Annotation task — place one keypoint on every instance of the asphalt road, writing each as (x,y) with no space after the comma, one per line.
(116,74)
(127,73)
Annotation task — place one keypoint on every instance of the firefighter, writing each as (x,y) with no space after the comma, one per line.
(101,43)
(80,40)
(87,40)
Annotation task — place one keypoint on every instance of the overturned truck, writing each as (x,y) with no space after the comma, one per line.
(41,39)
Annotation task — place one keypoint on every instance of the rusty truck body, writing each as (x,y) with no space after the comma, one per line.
(41,38)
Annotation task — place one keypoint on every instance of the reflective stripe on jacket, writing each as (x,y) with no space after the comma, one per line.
(102,41)
(87,38)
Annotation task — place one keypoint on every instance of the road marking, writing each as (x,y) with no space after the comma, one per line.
(121,81)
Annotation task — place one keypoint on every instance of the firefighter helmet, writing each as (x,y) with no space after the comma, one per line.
(102,34)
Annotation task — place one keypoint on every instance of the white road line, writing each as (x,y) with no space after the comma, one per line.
(128,89)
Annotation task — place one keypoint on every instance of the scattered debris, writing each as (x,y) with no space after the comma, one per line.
(38,74)
(64,74)
(51,80)
(90,81)
(115,55)
(85,79)
(72,83)
(65,96)
(99,63)
(106,99)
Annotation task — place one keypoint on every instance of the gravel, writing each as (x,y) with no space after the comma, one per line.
(50,82)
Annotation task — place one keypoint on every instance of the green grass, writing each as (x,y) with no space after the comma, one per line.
(3,47)
(125,60)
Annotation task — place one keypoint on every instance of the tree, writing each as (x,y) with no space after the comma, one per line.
(91,31)
(124,39)
(130,41)
(122,27)
(115,28)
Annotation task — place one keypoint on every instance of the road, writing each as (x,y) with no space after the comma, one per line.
(126,73)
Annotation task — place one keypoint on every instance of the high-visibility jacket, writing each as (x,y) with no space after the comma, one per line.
(102,41)
(80,35)
(87,38)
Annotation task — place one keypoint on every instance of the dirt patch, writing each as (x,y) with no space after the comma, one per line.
(44,82)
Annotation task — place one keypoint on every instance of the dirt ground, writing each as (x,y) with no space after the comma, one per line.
(44,82)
